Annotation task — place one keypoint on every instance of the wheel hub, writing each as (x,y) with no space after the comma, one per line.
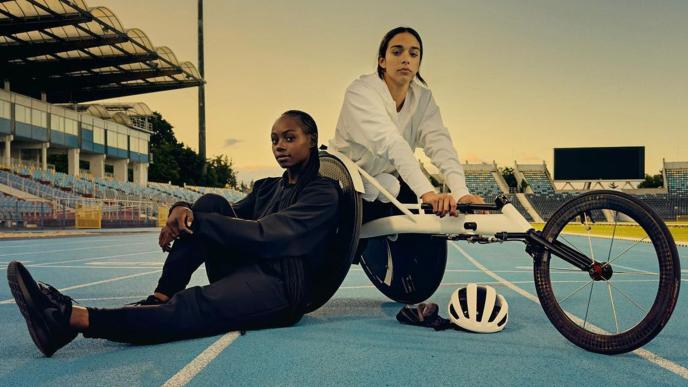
(601,271)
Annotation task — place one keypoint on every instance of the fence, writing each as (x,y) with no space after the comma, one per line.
(82,212)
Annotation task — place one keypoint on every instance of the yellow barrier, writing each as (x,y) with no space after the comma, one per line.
(162,216)
(88,216)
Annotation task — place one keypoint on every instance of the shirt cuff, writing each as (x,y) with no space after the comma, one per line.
(420,187)
(457,186)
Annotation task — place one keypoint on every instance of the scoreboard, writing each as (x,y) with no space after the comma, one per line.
(604,163)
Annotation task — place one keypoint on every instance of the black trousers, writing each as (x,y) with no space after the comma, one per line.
(377,209)
(243,294)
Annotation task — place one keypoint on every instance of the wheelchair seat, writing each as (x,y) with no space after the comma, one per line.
(343,248)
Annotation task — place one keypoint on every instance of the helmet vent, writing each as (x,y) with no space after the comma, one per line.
(453,312)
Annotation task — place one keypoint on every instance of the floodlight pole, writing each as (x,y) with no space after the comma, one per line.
(201,90)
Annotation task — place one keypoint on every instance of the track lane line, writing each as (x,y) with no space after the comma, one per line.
(45,264)
(76,249)
(201,361)
(64,240)
(49,264)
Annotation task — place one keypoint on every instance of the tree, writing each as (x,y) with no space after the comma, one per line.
(220,173)
(164,167)
(190,165)
(179,164)
(652,181)
(162,130)
(508,175)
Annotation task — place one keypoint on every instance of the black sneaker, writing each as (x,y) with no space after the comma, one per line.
(44,308)
(151,300)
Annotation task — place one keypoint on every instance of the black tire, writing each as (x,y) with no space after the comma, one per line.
(419,262)
(650,320)
(329,277)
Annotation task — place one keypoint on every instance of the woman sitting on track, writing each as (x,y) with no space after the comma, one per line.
(385,116)
(260,255)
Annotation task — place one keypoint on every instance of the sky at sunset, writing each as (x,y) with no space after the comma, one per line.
(513,78)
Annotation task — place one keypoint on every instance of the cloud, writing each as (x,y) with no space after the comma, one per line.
(231,141)
(255,172)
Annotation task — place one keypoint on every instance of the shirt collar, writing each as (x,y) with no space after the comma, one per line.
(284,181)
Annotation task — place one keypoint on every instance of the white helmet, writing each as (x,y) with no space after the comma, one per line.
(478,308)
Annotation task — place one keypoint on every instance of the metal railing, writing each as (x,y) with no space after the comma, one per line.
(61,213)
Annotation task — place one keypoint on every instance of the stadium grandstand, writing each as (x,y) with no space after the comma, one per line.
(486,181)
(540,190)
(669,201)
(541,198)
(56,55)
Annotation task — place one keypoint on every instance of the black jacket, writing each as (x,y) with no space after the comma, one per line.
(304,229)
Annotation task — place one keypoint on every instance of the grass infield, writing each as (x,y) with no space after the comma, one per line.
(624,230)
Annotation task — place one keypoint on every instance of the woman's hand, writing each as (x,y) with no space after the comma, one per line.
(177,224)
(471,199)
(442,204)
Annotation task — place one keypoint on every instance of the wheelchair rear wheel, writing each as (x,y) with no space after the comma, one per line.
(407,270)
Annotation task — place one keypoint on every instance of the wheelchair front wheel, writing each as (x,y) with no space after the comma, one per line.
(628,296)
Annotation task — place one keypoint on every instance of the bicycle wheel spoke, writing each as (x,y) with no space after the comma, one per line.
(587,309)
(616,214)
(631,269)
(611,299)
(635,273)
(565,269)
(628,297)
(588,228)
(569,243)
(575,291)
(625,251)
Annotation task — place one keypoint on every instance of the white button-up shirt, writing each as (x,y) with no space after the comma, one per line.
(381,140)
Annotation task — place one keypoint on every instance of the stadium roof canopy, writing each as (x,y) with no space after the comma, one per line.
(76,53)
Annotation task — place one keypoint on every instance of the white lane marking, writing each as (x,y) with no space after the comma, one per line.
(642,353)
(97,265)
(112,298)
(126,263)
(574,271)
(495,283)
(76,249)
(94,267)
(11,300)
(646,239)
(91,258)
(197,365)
(528,269)
(66,240)
(633,269)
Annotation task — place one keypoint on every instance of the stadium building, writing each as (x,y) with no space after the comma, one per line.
(56,56)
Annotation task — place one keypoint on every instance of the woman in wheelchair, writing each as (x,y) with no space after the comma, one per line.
(261,256)
(385,116)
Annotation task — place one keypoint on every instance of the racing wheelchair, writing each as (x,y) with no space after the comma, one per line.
(607,294)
